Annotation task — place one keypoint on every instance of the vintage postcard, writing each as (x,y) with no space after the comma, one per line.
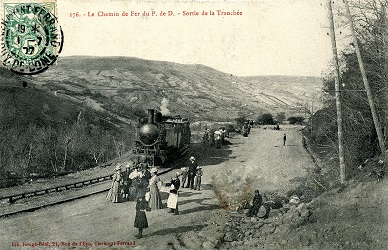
(203,124)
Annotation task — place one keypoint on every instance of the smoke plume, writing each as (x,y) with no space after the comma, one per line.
(164,105)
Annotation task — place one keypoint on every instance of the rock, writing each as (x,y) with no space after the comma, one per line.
(202,234)
(257,234)
(227,228)
(305,213)
(230,236)
(305,240)
(217,243)
(282,230)
(213,237)
(246,226)
(301,206)
(290,216)
(258,225)
(268,229)
(294,200)
(247,219)
(312,219)
(250,243)
(275,212)
(208,245)
(253,219)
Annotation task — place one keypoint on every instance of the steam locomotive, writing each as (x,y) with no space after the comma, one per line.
(161,138)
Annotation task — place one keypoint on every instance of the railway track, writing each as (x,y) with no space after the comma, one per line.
(41,198)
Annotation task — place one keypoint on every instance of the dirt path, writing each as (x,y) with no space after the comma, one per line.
(259,161)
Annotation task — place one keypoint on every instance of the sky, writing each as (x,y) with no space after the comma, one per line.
(270,37)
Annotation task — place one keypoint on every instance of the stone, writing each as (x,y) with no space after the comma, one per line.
(217,243)
(253,219)
(208,245)
(268,229)
(282,230)
(214,236)
(258,225)
(257,234)
(305,213)
(230,236)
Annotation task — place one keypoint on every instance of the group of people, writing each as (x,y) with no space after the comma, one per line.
(192,174)
(137,181)
(131,182)
(215,138)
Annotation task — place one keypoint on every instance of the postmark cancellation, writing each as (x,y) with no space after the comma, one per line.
(31,37)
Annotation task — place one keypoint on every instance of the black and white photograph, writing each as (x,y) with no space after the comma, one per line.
(193,124)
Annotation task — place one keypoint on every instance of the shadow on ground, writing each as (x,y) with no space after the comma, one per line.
(200,208)
(207,155)
(174,230)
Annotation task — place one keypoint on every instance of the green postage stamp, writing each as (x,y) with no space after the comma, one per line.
(31,37)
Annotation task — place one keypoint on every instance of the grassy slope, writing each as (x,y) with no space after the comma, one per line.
(196,91)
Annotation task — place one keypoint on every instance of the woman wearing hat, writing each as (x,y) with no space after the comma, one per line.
(155,201)
(114,191)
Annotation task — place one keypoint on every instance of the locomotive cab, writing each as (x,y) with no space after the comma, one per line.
(161,138)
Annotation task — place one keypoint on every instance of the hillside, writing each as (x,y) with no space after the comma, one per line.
(128,86)
(43,134)
(290,93)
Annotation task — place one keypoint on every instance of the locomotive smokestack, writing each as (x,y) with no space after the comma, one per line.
(151,114)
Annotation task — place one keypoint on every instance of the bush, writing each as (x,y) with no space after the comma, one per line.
(295,120)
(266,119)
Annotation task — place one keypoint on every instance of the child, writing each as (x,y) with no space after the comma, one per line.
(140,217)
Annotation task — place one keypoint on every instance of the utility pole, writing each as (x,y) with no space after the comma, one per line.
(337,95)
(366,84)
(385,54)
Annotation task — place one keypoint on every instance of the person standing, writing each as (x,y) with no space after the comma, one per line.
(126,181)
(140,216)
(198,177)
(284,139)
(144,180)
(184,175)
(211,136)
(192,172)
(205,138)
(135,180)
(155,200)
(218,138)
(172,201)
(114,191)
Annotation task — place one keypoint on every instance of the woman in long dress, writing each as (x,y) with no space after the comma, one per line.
(155,200)
(114,191)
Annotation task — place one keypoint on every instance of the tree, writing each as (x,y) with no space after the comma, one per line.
(358,127)
(266,119)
